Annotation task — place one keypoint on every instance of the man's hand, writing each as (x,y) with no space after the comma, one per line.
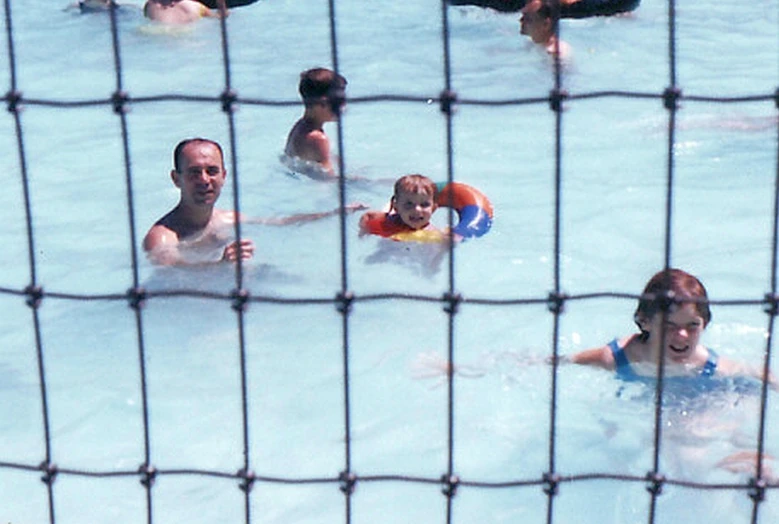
(243,249)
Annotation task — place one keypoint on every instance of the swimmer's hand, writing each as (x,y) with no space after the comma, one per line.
(432,365)
(746,462)
(355,206)
(243,249)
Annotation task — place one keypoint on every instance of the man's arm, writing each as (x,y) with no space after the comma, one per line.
(304,217)
(162,246)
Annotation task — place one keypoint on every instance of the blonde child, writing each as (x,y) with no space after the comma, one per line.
(411,209)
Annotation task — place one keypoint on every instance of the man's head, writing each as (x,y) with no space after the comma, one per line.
(198,170)
(539,20)
(322,86)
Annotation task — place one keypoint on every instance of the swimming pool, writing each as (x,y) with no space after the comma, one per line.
(614,173)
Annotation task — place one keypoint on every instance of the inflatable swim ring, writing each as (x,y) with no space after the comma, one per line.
(473,208)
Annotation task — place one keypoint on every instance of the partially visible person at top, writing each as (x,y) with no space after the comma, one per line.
(676,334)
(410,210)
(214,4)
(98,6)
(568,8)
(540,22)
(195,231)
(322,91)
(88,6)
(177,12)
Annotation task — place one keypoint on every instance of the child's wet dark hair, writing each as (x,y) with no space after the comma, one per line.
(318,83)
(667,289)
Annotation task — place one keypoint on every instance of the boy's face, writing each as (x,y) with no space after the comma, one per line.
(414,209)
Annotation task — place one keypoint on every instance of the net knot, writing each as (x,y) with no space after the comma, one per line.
(452,302)
(34,296)
(771,304)
(49,472)
(344,301)
(556,99)
(240,298)
(655,481)
(552,483)
(248,478)
(228,99)
(14,101)
(136,297)
(757,489)
(671,97)
(119,101)
(555,302)
(347,481)
(448,99)
(450,483)
(148,474)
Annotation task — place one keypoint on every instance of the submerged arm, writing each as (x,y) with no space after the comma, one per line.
(162,246)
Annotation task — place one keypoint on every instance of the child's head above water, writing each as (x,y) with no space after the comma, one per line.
(683,287)
(321,85)
(414,200)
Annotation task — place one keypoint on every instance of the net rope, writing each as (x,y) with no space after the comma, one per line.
(344,300)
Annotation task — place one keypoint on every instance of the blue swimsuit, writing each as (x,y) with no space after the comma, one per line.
(625,370)
(682,389)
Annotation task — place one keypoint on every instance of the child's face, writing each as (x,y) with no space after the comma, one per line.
(414,209)
(683,329)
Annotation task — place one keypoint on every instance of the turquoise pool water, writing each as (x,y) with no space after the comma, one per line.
(614,173)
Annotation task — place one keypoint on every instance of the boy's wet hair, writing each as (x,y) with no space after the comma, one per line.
(318,83)
(181,145)
(670,287)
(416,183)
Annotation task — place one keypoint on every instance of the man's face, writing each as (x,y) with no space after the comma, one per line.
(201,174)
(532,24)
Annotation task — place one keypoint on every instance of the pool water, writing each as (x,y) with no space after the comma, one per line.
(614,178)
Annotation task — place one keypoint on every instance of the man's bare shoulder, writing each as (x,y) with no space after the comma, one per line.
(160,235)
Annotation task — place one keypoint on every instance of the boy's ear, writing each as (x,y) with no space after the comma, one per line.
(174,175)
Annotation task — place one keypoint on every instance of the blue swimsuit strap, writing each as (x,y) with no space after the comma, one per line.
(621,363)
(710,367)
(619,355)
